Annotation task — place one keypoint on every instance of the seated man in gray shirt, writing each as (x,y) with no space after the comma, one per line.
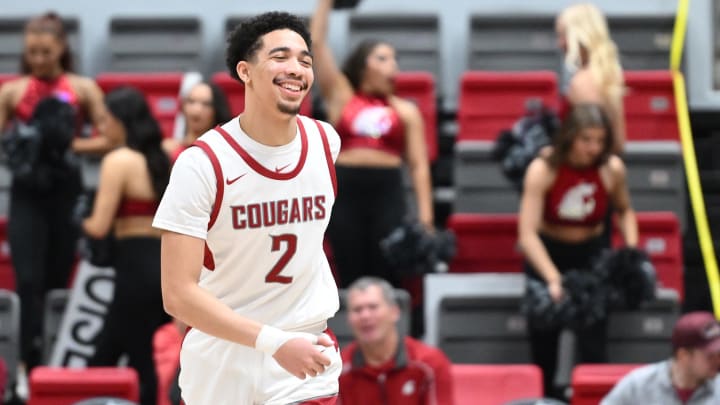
(688,378)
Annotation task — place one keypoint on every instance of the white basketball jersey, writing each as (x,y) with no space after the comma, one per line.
(264,253)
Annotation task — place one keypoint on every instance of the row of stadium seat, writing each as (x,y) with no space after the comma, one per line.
(489,101)
(488,243)
(473,384)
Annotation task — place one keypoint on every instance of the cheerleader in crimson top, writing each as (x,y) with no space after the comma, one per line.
(565,197)
(204,106)
(380,133)
(40,228)
(592,66)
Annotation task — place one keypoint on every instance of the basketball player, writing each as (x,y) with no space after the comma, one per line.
(244,217)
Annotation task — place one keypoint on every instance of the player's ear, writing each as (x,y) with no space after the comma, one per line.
(243,71)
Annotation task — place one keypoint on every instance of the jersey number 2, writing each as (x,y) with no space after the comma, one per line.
(291,241)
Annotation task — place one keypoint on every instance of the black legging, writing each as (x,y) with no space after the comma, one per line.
(135,313)
(592,341)
(43,241)
(370,204)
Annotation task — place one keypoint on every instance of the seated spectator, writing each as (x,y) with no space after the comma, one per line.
(382,367)
(688,378)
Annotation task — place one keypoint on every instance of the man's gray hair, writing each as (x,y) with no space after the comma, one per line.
(363,283)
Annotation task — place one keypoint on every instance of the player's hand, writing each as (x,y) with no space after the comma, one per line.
(303,355)
(556,290)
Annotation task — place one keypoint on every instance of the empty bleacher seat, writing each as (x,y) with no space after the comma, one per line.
(485,243)
(11,41)
(66,386)
(441,286)
(161,91)
(480,185)
(656,177)
(339,323)
(483,328)
(591,382)
(661,238)
(650,106)
(513,42)
(643,40)
(419,87)
(485,384)
(55,303)
(235,93)
(154,44)
(492,101)
(415,38)
(7,272)
(10,333)
(643,335)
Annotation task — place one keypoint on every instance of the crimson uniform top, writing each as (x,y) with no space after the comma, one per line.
(418,374)
(262,211)
(577,197)
(370,122)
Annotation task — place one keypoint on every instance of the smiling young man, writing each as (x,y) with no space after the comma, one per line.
(244,217)
(381,366)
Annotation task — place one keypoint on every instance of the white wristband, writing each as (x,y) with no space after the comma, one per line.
(270,339)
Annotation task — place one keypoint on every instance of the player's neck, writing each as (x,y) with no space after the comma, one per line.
(381,352)
(271,128)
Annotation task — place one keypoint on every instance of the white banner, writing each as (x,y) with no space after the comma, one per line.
(84,315)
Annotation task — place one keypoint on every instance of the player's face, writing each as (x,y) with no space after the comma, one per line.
(703,365)
(42,53)
(370,316)
(381,70)
(282,71)
(198,109)
(588,146)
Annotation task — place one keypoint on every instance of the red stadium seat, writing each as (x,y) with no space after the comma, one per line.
(420,88)
(65,386)
(6,77)
(591,382)
(7,273)
(486,384)
(485,243)
(235,93)
(161,90)
(650,106)
(492,101)
(661,238)
(488,243)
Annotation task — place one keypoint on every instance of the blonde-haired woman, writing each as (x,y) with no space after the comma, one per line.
(592,57)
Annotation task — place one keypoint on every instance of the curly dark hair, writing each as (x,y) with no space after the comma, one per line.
(246,38)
